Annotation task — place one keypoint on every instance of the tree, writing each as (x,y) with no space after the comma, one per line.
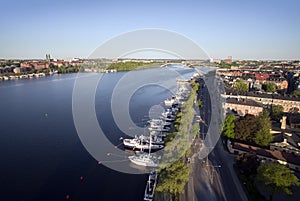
(247,163)
(269,87)
(296,93)
(276,112)
(276,178)
(228,127)
(223,65)
(172,179)
(240,86)
(263,136)
(199,102)
(246,127)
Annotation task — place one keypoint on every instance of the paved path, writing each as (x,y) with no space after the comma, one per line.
(203,182)
(212,178)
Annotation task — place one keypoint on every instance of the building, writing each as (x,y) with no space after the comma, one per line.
(286,142)
(39,65)
(261,77)
(289,103)
(26,64)
(212,60)
(228,60)
(48,59)
(291,160)
(243,106)
(294,120)
(17,70)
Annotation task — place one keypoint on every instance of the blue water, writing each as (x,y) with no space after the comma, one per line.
(41,155)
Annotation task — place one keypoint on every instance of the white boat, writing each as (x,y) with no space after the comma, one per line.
(158,134)
(144,159)
(168,115)
(172,101)
(159,129)
(167,119)
(150,187)
(159,125)
(141,144)
(155,139)
(159,122)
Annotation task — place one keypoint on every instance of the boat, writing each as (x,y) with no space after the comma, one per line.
(159,129)
(168,115)
(159,134)
(159,122)
(156,139)
(150,186)
(167,119)
(172,101)
(160,125)
(144,159)
(141,144)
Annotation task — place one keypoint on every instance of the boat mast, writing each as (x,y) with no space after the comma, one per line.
(150,144)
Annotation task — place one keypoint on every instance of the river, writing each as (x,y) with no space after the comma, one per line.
(42,157)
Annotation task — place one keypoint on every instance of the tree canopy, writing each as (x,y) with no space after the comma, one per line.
(246,127)
(240,86)
(172,179)
(247,163)
(269,87)
(263,136)
(125,66)
(254,129)
(296,93)
(277,112)
(276,178)
(228,127)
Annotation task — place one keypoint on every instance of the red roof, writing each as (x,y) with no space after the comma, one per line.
(261,76)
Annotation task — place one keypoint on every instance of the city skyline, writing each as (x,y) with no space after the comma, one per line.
(245,30)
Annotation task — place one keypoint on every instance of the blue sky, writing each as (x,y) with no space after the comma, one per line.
(257,29)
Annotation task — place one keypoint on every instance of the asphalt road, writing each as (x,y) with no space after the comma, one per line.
(212,177)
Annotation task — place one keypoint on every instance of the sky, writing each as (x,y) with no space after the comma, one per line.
(257,29)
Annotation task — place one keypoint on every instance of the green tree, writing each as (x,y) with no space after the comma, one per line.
(246,127)
(172,179)
(269,87)
(240,86)
(296,93)
(276,178)
(263,136)
(276,112)
(223,65)
(199,102)
(228,127)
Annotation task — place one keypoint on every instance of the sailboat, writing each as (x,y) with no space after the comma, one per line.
(145,159)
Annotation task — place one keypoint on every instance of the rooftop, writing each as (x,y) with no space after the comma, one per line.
(230,91)
(243,102)
(274,154)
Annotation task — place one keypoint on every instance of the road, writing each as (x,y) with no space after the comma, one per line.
(219,161)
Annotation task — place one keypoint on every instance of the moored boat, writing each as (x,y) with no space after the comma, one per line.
(144,159)
(141,144)
(150,187)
